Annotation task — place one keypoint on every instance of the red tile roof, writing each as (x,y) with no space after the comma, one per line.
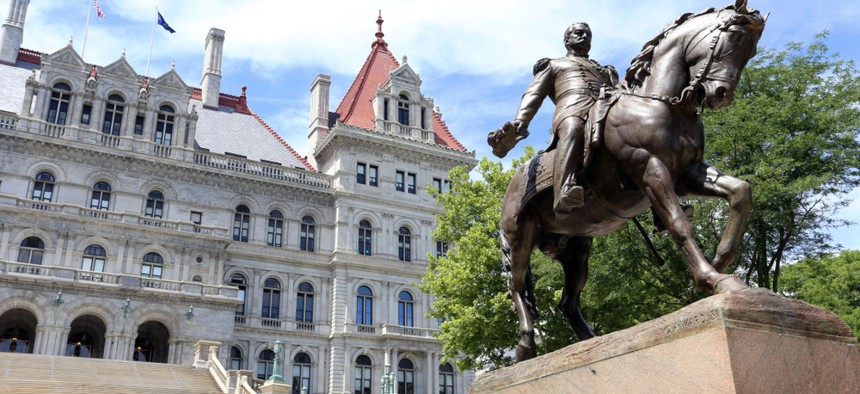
(29,56)
(356,109)
(443,135)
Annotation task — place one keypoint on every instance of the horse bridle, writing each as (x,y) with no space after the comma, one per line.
(701,75)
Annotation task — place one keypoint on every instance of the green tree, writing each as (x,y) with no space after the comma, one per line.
(792,134)
(831,281)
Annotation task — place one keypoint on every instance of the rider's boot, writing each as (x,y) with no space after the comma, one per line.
(568,195)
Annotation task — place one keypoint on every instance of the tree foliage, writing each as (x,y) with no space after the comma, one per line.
(792,134)
(831,281)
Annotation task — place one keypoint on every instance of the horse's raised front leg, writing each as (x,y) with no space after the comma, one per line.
(574,260)
(517,242)
(659,188)
(707,180)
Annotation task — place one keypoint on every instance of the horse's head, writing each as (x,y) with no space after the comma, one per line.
(717,54)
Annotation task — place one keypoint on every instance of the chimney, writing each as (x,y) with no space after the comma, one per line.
(319,109)
(211,84)
(13,31)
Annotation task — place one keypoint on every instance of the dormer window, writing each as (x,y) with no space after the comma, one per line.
(58,108)
(403,110)
(164,125)
(113,115)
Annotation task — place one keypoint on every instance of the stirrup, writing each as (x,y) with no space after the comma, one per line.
(572,197)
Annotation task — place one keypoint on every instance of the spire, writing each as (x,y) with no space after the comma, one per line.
(379,33)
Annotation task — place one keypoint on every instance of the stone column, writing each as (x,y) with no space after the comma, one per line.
(429,368)
(5,234)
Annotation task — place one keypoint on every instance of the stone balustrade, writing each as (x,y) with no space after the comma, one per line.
(74,275)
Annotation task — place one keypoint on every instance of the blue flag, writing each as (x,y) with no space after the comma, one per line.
(164,24)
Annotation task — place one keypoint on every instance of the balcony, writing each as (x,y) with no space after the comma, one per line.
(281,324)
(397,331)
(118,217)
(136,144)
(55,274)
(410,132)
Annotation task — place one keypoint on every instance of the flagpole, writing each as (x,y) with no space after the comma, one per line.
(87,28)
(151,39)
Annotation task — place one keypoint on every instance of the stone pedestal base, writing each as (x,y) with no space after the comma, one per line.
(271,387)
(750,341)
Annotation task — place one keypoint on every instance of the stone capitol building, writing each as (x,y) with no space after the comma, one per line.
(140,215)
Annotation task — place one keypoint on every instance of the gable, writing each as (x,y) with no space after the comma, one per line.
(171,80)
(66,56)
(120,68)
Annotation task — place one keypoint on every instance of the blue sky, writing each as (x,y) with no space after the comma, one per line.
(474,57)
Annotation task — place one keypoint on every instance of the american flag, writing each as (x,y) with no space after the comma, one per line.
(98,9)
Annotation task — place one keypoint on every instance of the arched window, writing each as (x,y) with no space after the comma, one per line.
(43,188)
(404,244)
(154,204)
(308,234)
(305,305)
(405,309)
(403,110)
(235,358)
(364,306)
(101,196)
(58,108)
(113,114)
(271,299)
(153,265)
(365,238)
(164,125)
(241,223)
(265,364)
(302,373)
(93,261)
(239,281)
(31,251)
(405,377)
(363,375)
(197,278)
(446,379)
(275,233)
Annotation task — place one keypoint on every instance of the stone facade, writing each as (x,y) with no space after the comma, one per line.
(137,218)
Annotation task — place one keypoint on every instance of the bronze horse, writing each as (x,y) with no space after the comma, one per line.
(651,153)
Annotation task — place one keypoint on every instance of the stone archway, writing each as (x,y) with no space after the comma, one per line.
(152,342)
(17,331)
(86,337)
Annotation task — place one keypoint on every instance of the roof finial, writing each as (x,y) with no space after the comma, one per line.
(379,33)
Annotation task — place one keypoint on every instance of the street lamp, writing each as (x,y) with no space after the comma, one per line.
(59,301)
(126,308)
(190,312)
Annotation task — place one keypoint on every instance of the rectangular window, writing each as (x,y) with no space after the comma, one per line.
(437,185)
(385,109)
(86,113)
(448,187)
(410,183)
(373,176)
(360,170)
(424,118)
(197,219)
(441,249)
(138,125)
(398,181)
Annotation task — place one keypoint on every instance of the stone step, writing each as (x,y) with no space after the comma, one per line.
(33,373)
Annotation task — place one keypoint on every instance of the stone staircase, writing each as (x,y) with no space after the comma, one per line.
(37,374)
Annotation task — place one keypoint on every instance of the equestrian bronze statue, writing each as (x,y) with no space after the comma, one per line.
(638,147)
